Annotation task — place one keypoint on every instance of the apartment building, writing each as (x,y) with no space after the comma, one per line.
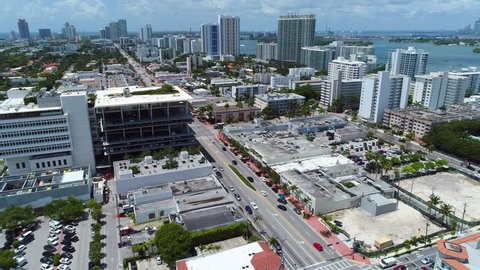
(317,57)
(281,102)
(409,62)
(351,70)
(243,91)
(439,89)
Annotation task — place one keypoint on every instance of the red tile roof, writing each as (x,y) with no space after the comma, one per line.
(266,260)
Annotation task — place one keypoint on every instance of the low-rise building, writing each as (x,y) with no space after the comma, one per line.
(131,175)
(420,121)
(459,254)
(226,114)
(256,255)
(278,82)
(281,102)
(223,82)
(39,188)
(305,71)
(248,91)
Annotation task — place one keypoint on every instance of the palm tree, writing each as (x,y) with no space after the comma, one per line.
(446,210)
(433,202)
(306,200)
(272,241)
(257,218)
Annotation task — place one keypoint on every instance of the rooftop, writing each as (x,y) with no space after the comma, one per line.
(279,96)
(462,253)
(202,199)
(208,218)
(117,96)
(43,181)
(251,256)
(452,114)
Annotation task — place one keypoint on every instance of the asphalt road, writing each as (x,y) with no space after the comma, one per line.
(294,234)
(112,257)
(148,80)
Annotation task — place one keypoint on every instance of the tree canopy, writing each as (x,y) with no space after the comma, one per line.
(173,242)
(15,216)
(7,259)
(66,210)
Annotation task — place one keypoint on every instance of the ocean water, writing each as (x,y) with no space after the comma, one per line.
(441,58)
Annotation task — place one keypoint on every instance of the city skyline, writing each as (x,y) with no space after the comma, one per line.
(92,15)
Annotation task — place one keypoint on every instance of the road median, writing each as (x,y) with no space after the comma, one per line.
(245,181)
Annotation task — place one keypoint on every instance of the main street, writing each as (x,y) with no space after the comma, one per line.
(293,233)
(148,80)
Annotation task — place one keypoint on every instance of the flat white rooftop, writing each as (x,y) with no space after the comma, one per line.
(314,163)
(74,176)
(113,97)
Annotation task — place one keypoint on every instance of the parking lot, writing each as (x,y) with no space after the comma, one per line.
(398,225)
(35,248)
(453,188)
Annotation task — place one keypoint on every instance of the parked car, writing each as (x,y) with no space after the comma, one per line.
(280,200)
(297,210)
(254,205)
(263,193)
(318,246)
(65,261)
(70,228)
(249,178)
(248,209)
(45,266)
(219,174)
(400,267)
(234,162)
(20,249)
(277,247)
(47,254)
(63,267)
(46,260)
(68,249)
(232,188)
(237,196)
(159,260)
(66,255)
(281,206)
(427,260)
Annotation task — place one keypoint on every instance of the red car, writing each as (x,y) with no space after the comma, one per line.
(318,246)
(400,267)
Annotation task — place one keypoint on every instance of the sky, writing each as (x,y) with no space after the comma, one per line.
(255,15)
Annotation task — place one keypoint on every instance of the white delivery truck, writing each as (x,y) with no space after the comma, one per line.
(388,262)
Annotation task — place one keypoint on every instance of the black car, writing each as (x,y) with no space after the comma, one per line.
(68,249)
(224,148)
(298,211)
(219,174)
(248,209)
(237,196)
(275,189)
(66,255)
(73,238)
(234,162)
(50,248)
(133,265)
(66,242)
(338,223)
(31,227)
(47,254)
(280,200)
(250,178)
(46,260)
(281,206)
(277,247)
(269,184)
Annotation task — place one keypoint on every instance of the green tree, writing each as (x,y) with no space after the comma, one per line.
(7,259)
(257,218)
(56,259)
(433,201)
(15,216)
(66,210)
(173,242)
(446,210)
(430,166)
(273,240)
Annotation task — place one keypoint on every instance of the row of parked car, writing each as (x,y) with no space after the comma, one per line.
(24,235)
(59,230)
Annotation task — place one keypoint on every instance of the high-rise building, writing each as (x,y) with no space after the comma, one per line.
(351,70)
(294,32)
(196,45)
(317,57)
(114,31)
(54,133)
(45,33)
(473,75)
(209,36)
(145,34)
(103,33)
(122,28)
(347,50)
(69,32)
(12,35)
(382,91)
(266,52)
(335,87)
(23,29)
(229,35)
(410,62)
(439,89)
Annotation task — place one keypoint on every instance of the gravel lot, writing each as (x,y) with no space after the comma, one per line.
(399,225)
(452,188)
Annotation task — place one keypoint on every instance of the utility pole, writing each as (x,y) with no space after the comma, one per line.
(463,217)
(426,231)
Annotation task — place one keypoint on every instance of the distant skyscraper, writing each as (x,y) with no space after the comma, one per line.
(229,35)
(122,28)
(294,32)
(114,31)
(45,33)
(266,52)
(146,33)
(69,32)
(317,57)
(23,29)
(209,35)
(476,27)
(12,35)
(408,62)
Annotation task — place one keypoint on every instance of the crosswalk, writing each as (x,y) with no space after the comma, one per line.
(341,265)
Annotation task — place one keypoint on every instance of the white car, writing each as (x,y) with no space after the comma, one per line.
(221,169)
(70,228)
(45,266)
(264,193)
(20,249)
(231,188)
(65,261)
(57,231)
(254,205)
(159,260)
(53,238)
(63,267)
(426,260)
(53,242)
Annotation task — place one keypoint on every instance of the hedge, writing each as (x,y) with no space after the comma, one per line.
(213,235)
(245,181)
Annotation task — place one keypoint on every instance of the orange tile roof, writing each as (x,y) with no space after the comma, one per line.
(466,239)
(456,264)
(182,265)
(266,260)
(458,255)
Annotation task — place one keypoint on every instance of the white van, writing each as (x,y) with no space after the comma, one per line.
(388,262)
(21,261)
